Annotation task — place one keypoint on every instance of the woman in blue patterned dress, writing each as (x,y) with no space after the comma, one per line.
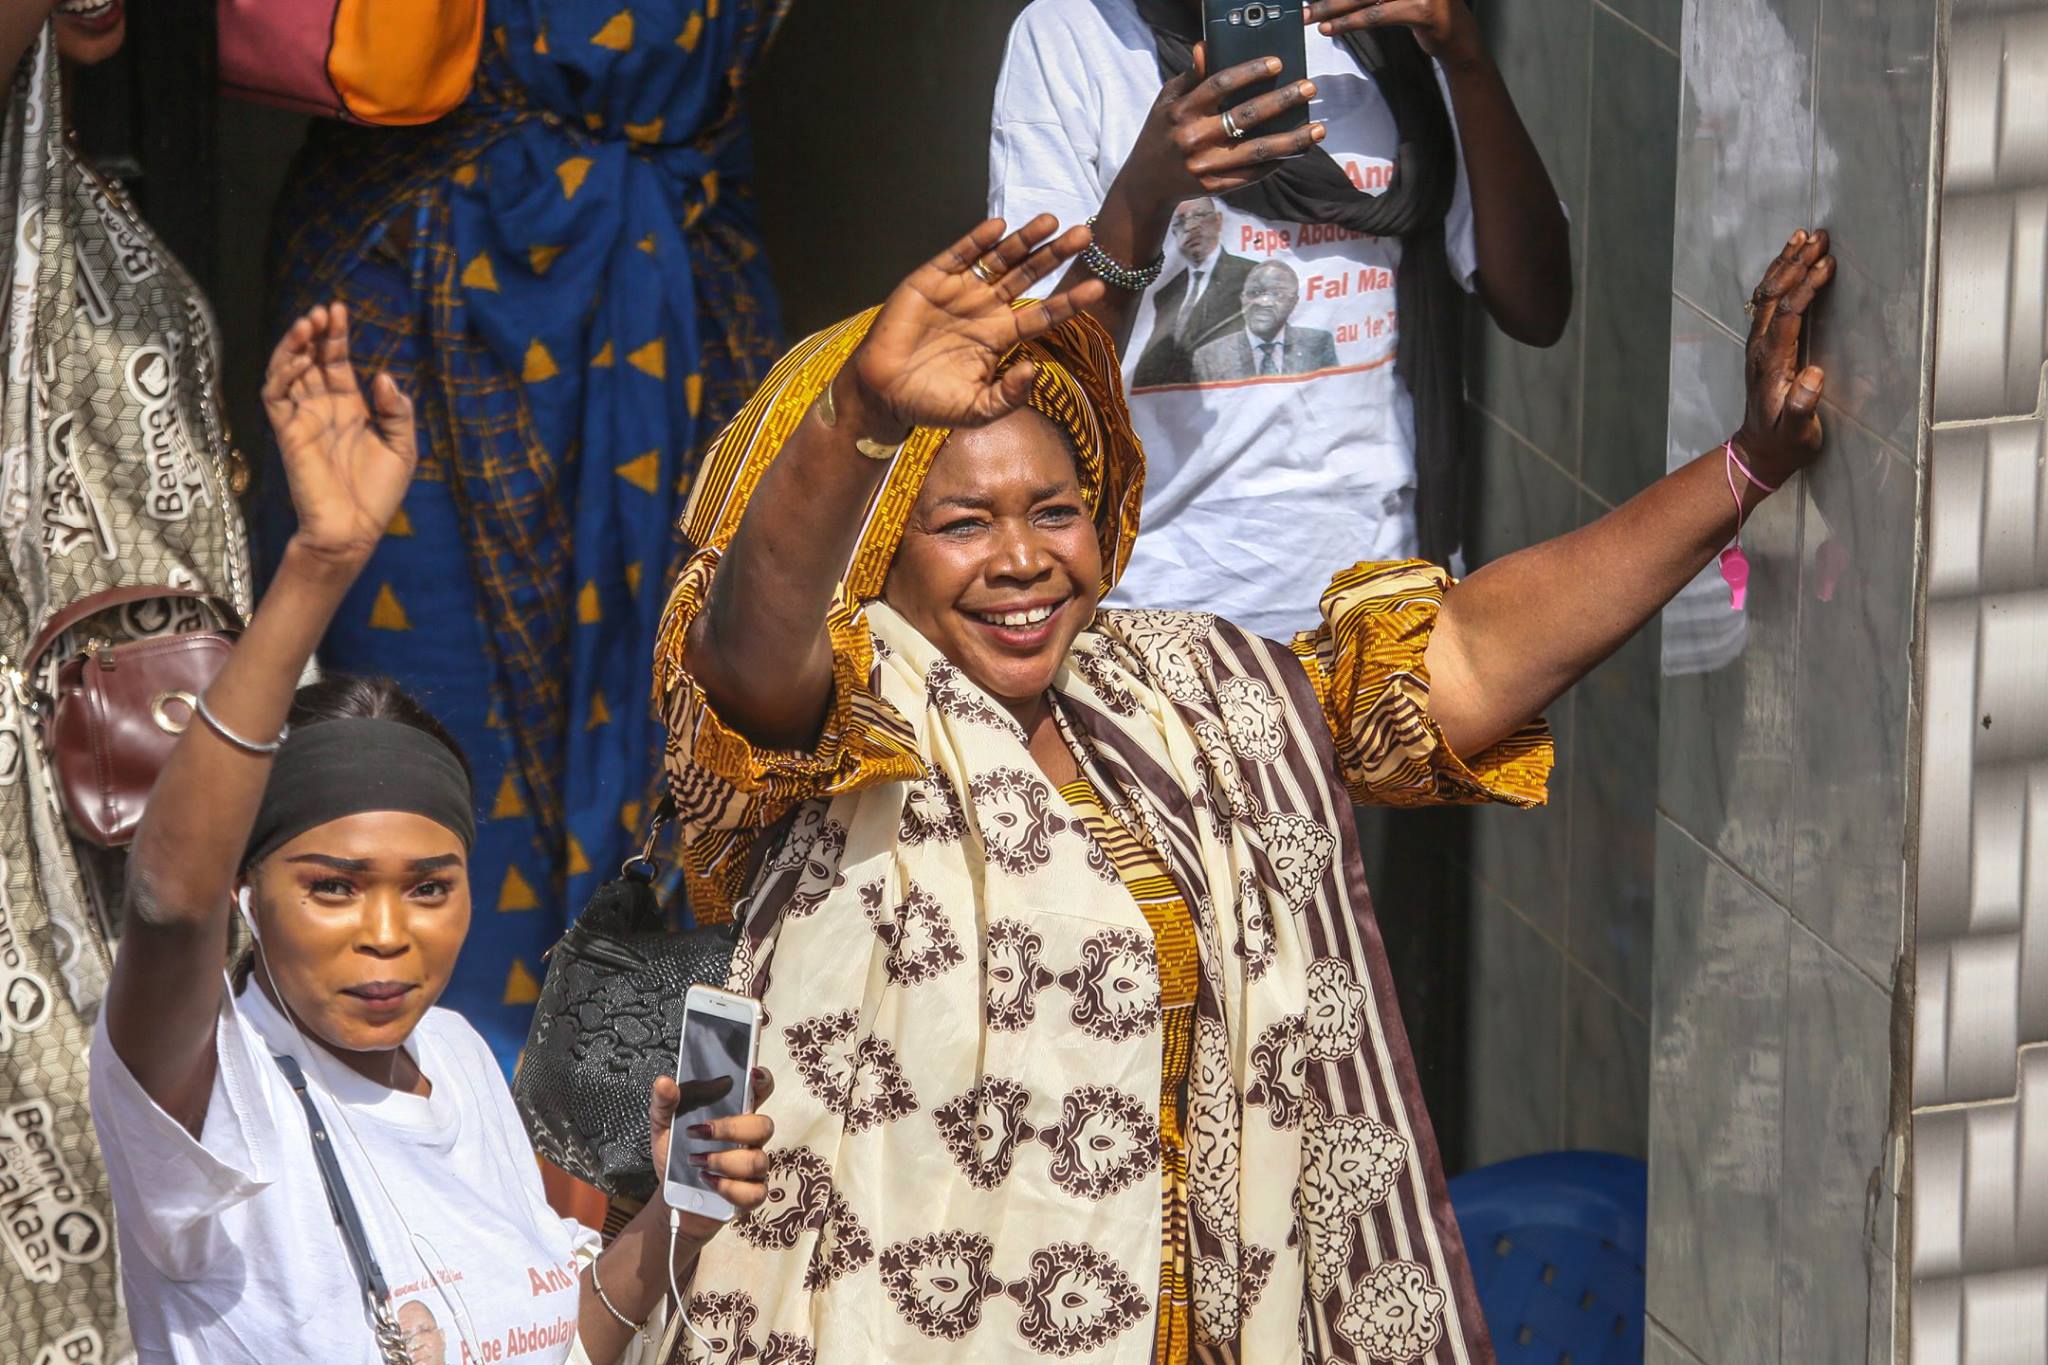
(566,273)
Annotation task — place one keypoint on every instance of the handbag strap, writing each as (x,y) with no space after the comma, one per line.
(92,604)
(376,1293)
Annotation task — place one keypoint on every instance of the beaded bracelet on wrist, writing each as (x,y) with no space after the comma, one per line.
(1114,272)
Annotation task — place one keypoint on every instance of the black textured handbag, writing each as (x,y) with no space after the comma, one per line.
(607,1023)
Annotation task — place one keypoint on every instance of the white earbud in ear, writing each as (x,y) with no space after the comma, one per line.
(245,902)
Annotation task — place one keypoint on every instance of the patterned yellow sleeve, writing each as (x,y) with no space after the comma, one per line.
(1365,661)
(727,789)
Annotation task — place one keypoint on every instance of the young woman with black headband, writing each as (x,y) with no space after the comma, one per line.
(313,1162)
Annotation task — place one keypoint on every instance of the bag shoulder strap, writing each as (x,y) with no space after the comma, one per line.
(376,1293)
(92,604)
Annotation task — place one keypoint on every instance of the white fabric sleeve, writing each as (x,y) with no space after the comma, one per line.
(169,1186)
(1045,152)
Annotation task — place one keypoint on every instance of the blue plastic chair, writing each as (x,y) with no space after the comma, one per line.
(1556,1243)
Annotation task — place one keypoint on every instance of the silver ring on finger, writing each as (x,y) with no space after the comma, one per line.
(983,273)
(1230,126)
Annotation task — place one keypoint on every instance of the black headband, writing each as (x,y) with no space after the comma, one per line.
(338,768)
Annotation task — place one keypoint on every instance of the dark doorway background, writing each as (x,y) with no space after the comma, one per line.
(871,136)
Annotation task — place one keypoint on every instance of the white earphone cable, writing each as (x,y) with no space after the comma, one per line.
(458,1308)
(675,1228)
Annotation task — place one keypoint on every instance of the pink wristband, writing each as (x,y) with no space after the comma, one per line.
(1736,460)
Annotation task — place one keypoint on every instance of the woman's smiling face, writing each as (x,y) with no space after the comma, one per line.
(1000,566)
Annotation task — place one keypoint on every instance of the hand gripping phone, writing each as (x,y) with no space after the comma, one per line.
(714,1069)
(1236,31)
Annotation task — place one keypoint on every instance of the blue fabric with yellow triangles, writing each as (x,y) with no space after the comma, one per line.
(565,274)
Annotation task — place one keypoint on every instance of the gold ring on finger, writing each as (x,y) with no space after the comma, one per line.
(1230,126)
(984,274)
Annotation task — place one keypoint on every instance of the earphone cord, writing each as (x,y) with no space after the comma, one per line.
(675,1228)
(458,1307)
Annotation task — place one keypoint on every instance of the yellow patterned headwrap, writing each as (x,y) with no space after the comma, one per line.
(1079,386)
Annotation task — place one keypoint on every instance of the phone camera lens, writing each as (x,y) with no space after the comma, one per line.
(1255,14)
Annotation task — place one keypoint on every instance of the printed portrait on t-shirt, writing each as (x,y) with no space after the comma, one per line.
(1243,301)
(424,1341)
(1264,343)
(1197,301)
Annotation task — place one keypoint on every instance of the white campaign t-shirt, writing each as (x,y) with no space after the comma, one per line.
(229,1253)
(1275,462)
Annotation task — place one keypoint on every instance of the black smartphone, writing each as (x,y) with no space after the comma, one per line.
(1236,31)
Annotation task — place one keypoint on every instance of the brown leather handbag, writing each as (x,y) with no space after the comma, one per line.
(118,709)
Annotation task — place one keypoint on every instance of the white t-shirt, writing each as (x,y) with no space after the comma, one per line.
(1263,480)
(229,1253)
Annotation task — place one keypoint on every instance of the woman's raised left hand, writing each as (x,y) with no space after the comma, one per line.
(738,1173)
(934,356)
(1445,29)
(1781,431)
(348,462)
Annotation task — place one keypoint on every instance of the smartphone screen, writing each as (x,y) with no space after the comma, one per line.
(711,1072)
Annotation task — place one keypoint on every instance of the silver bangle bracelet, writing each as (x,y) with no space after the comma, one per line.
(631,1326)
(1135,279)
(247,746)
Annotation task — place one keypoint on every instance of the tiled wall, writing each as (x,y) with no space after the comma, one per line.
(1559,1031)
(1979,1071)
(1784,754)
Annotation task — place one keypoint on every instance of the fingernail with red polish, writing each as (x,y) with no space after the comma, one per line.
(759,1076)
(698,1130)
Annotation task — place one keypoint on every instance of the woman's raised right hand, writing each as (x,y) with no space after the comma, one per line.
(348,462)
(1186,149)
(934,354)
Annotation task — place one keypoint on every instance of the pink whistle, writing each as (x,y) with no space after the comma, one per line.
(1735,571)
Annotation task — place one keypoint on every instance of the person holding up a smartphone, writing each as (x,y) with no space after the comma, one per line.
(312,1161)
(1285,266)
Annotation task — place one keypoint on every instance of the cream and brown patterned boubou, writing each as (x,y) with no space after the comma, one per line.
(969,998)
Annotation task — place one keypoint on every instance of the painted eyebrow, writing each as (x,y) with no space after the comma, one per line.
(336,864)
(359,865)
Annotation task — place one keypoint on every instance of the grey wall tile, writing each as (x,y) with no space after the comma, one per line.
(1523,856)
(1543,51)
(1631,179)
(1998,69)
(1991,328)
(1855,680)
(1725,754)
(1981,1184)
(1991,331)
(1659,18)
(1831,1269)
(1517,994)
(1716,1094)
(1611,905)
(1746,145)
(1662,1348)
(1606,1069)
(1873,90)
(1982,916)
